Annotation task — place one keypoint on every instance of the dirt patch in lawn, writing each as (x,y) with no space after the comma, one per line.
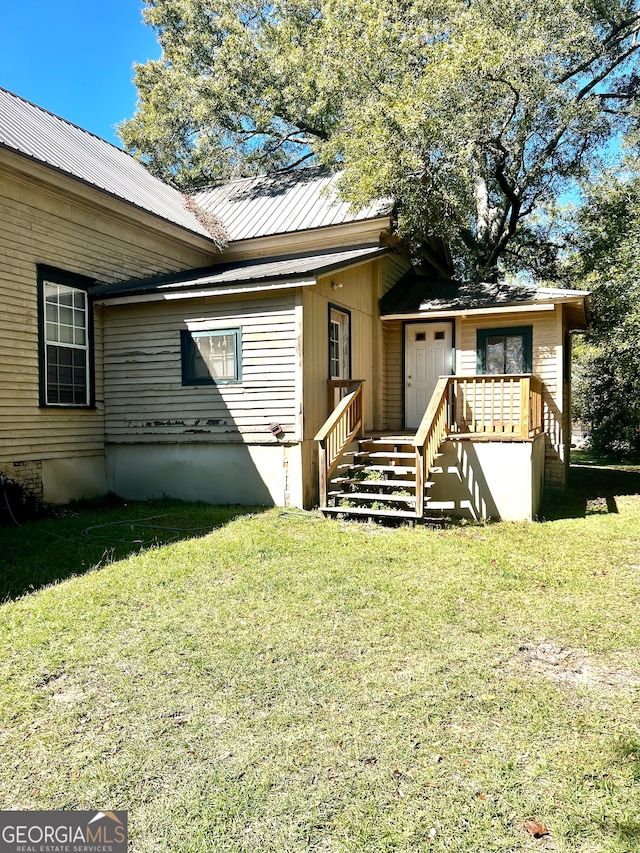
(577,668)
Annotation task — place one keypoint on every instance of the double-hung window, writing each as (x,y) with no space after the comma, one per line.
(65,335)
(504,351)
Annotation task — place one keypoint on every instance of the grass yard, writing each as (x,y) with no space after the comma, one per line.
(288,683)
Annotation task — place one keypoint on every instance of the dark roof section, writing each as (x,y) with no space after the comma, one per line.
(415,293)
(261,271)
(283,203)
(406,296)
(44,137)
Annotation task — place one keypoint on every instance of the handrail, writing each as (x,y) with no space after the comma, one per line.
(337,388)
(337,433)
(430,435)
(500,406)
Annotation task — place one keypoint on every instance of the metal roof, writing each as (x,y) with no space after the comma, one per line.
(36,133)
(415,293)
(278,204)
(260,272)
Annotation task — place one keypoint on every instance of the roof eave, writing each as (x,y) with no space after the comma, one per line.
(204,286)
(500,308)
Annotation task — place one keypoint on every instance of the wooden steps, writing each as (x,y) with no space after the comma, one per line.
(378,513)
(375,497)
(376,479)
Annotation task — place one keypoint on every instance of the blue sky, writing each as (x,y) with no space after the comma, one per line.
(75,57)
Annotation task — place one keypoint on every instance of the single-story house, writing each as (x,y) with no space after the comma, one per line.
(258,342)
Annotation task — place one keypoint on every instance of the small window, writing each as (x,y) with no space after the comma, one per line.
(339,344)
(421,336)
(65,336)
(504,351)
(439,336)
(210,357)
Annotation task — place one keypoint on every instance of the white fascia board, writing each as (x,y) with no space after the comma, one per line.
(471,312)
(197,294)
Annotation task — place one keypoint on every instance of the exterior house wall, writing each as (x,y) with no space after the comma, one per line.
(390,388)
(50,219)
(355,294)
(145,399)
(358,294)
(204,442)
(393,394)
(547,364)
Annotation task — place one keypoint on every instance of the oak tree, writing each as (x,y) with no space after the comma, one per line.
(471,114)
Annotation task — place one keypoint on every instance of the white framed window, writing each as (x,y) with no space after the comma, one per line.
(211,356)
(339,343)
(65,343)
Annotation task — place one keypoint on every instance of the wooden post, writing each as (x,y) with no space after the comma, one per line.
(322,468)
(420,480)
(525,386)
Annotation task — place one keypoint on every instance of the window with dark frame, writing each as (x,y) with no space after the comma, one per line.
(211,356)
(65,341)
(504,351)
(339,343)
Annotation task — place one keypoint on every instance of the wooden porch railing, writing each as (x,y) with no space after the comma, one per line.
(503,408)
(430,435)
(338,388)
(343,425)
(497,408)
(500,406)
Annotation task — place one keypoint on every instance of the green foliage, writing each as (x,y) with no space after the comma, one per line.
(607,386)
(368,474)
(471,115)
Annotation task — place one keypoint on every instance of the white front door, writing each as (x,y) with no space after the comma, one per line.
(428,348)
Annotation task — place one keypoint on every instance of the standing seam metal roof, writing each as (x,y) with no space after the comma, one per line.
(298,200)
(36,133)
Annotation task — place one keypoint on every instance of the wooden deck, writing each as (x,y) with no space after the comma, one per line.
(389,473)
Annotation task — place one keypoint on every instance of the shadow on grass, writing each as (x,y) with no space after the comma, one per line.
(90,535)
(593,488)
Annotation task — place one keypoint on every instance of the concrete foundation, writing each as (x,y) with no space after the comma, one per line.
(489,479)
(252,475)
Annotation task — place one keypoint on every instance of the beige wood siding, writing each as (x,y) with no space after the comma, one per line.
(145,400)
(43,224)
(547,349)
(547,365)
(393,378)
(358,295)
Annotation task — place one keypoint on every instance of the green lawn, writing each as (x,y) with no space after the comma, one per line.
(288,683)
